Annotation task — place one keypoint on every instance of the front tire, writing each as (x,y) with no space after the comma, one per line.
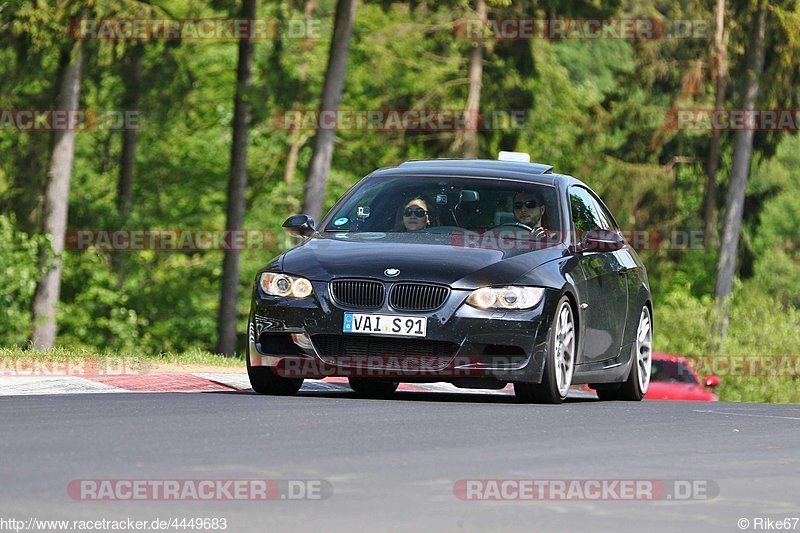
(635,387)
(559,363)
(264,380)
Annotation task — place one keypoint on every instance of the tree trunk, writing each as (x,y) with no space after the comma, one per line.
(298,140)
(712,165)
(469,137)
(133,88)
(331,96)
(237,183)
(56,205)
(742,152)
(127,162)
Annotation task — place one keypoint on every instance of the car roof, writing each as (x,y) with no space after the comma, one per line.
(479,168)
(517,166)
(669,357)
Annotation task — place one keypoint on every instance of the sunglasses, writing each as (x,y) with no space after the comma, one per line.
(414,211)
(530,204)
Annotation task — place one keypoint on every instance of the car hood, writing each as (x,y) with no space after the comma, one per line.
(435,258)
(663,390)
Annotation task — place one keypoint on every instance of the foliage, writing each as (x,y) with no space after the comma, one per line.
(19,272)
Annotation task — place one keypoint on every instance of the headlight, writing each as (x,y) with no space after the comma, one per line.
(505,297)
(285,286)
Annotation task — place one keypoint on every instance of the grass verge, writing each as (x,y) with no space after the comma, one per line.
(12,357)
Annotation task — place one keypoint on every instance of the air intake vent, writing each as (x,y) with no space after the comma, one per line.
(417,296)
(358,293)
(386,352)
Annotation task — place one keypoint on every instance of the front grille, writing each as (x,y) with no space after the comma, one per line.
(417,296)
(357,292)
(386,352)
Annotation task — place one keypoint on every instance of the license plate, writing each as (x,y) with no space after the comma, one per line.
(406,326)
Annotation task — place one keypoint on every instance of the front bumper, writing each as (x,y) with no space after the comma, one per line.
(502,346)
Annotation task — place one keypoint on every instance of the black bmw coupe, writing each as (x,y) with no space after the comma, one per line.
(478,273)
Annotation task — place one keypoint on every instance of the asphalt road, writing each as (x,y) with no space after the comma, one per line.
(392,464)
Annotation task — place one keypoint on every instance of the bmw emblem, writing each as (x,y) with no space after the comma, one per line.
(392,272)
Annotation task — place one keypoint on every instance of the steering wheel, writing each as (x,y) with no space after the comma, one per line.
(538,233)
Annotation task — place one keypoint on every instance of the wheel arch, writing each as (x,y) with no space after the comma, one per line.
(646,299)
(649,303)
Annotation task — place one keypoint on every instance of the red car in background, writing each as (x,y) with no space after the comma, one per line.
(673,378)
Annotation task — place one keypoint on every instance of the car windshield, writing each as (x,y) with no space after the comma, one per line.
(672,371)
(445,205)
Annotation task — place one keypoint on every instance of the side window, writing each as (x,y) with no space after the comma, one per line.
(585,215)
(606,219)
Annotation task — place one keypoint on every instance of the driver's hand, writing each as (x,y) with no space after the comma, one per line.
(539,233)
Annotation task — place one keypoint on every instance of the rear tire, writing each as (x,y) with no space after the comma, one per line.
(372,388)
(264,380)
(559,362)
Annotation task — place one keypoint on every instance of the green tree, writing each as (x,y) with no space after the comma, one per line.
(329,103)
(237,184)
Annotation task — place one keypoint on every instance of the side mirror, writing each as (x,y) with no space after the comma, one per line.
(713,381)
(299,225)
(601,240)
